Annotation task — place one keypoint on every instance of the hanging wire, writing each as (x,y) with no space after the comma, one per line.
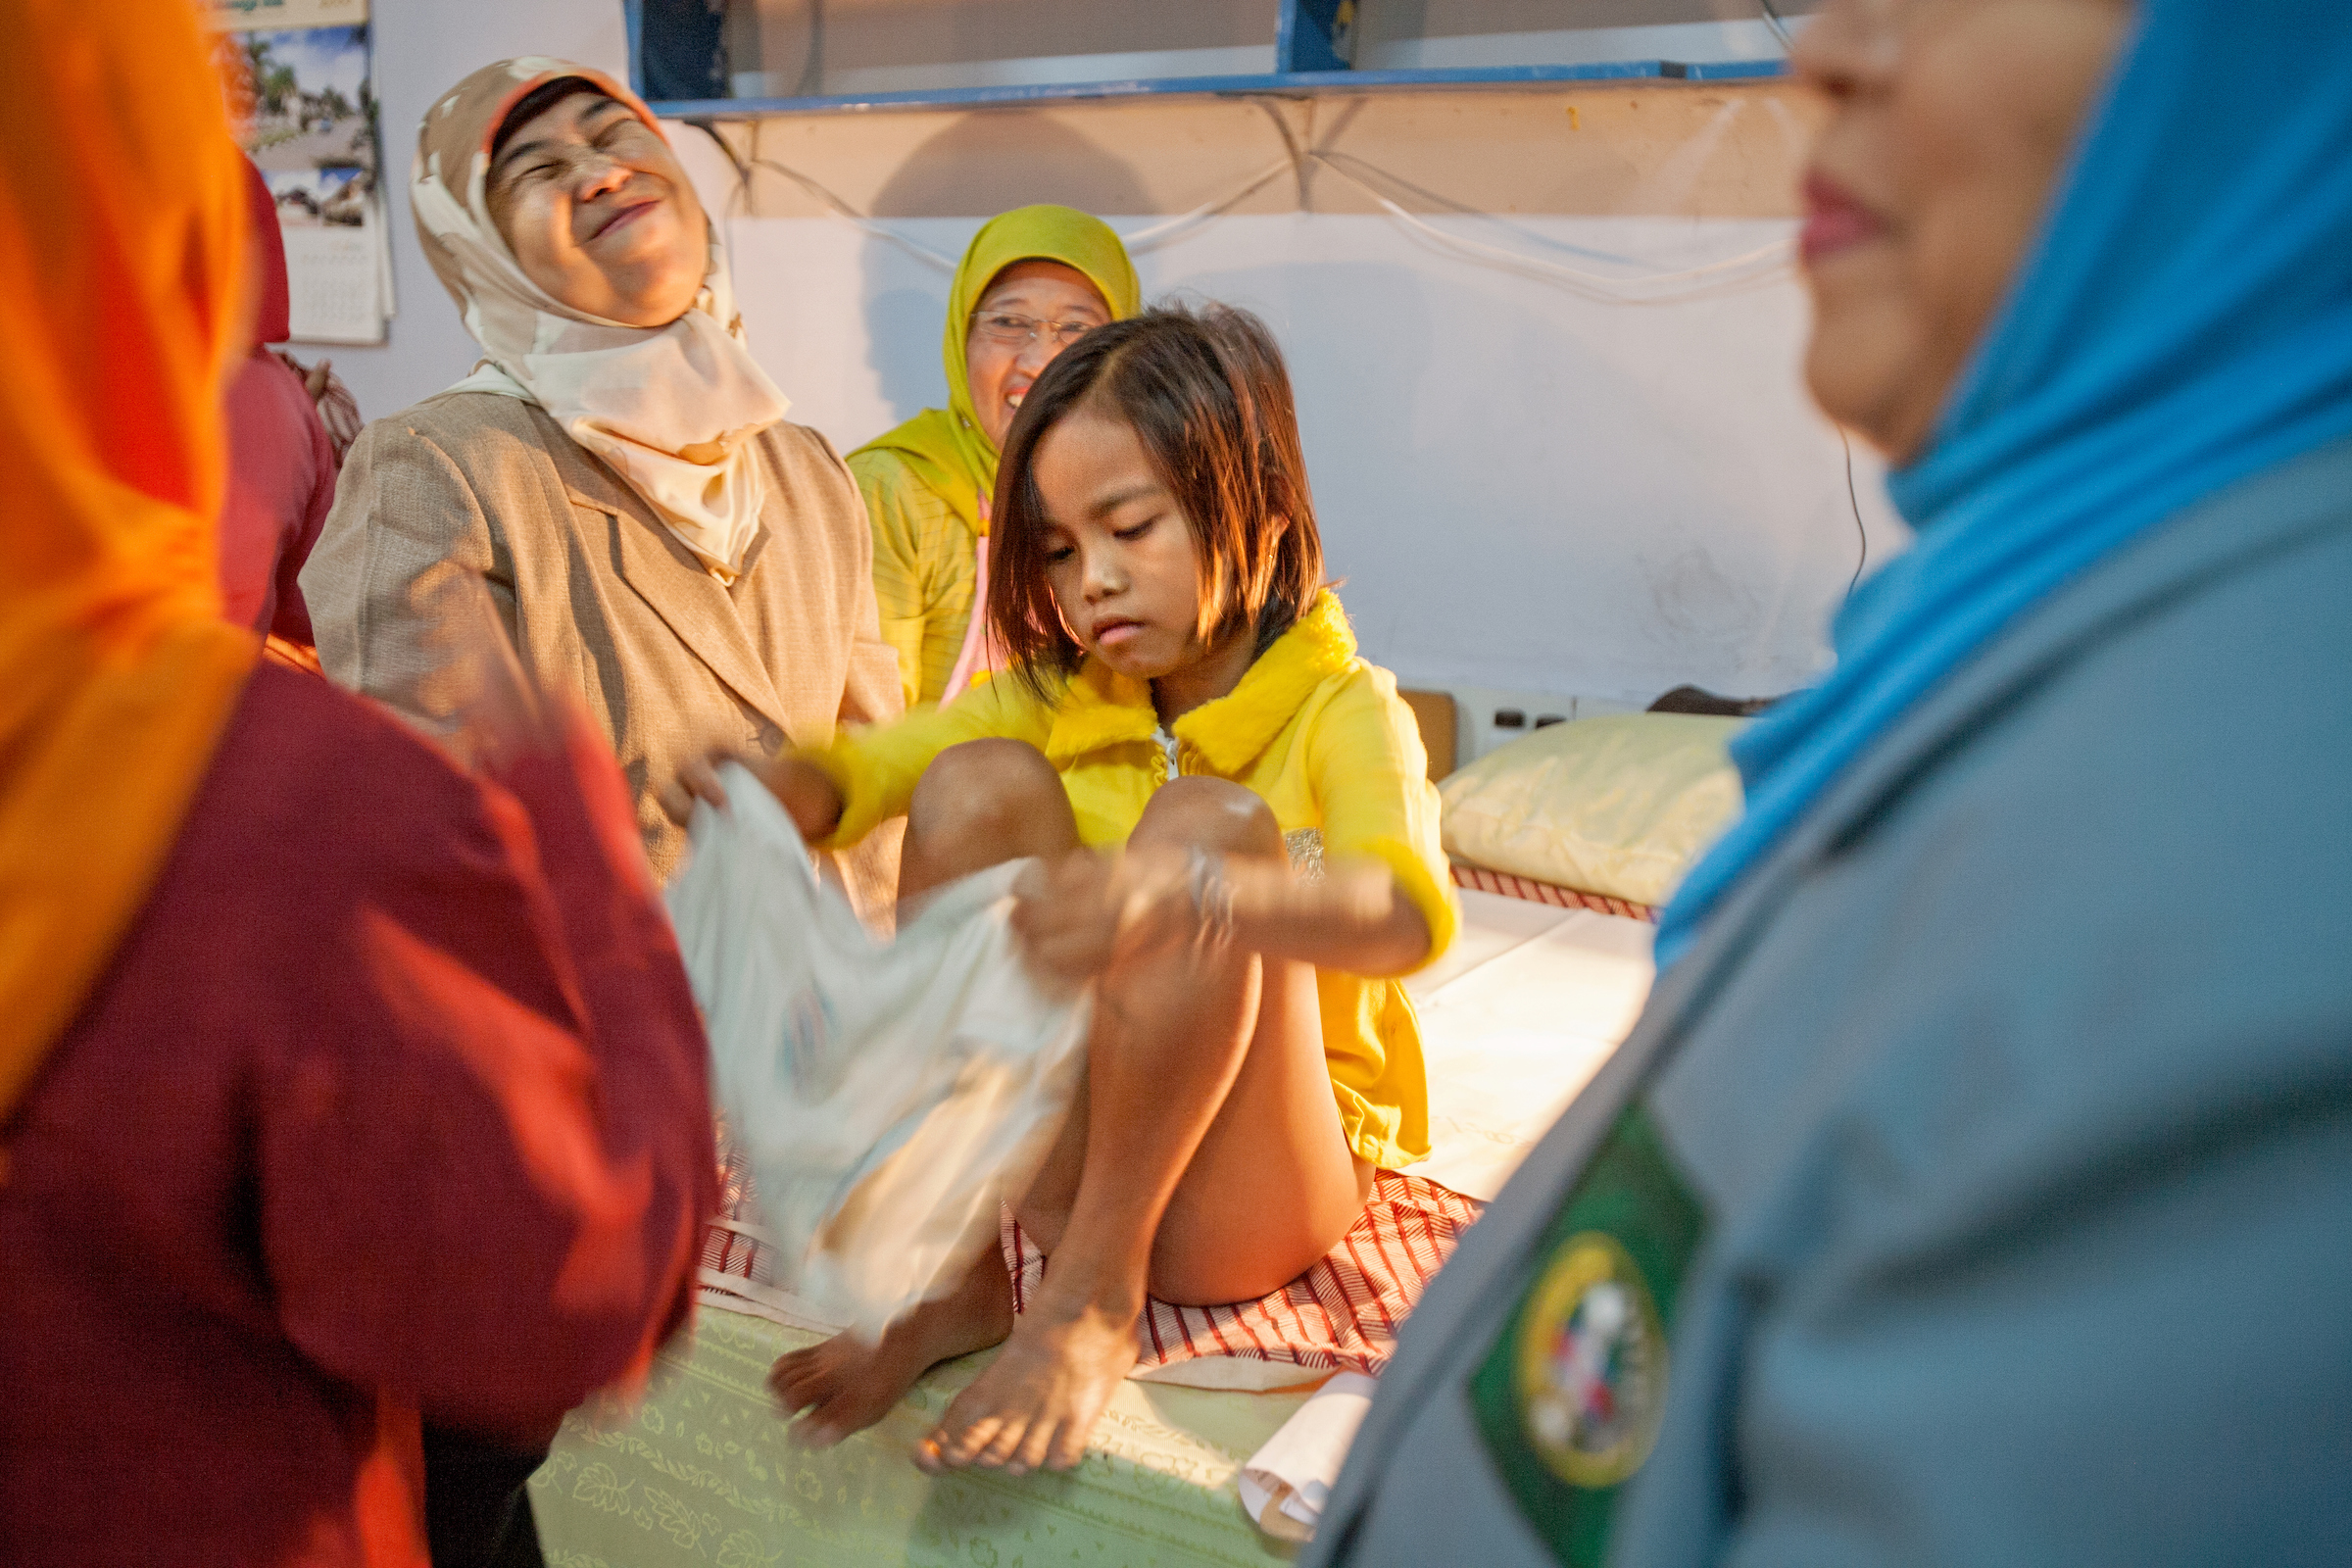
(1160,233)
(1142,239)
(812,64)
(1779,28)
(738,199)
(1854,499)
(1749,266)
(857,220)
(843,210)
(1760,262)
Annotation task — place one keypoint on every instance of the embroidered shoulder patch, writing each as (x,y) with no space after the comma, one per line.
(1592,1363)
(1570,1396)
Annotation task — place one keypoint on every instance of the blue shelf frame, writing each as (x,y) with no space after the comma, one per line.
(1308,57)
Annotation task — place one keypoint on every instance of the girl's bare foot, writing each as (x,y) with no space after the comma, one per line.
(846,1385)
(1038,1401)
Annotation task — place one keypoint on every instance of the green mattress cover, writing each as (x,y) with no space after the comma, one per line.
(700,1472)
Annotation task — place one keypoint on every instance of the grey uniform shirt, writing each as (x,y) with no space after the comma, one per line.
(2016,1087)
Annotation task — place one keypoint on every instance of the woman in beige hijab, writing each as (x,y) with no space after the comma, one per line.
(617,470)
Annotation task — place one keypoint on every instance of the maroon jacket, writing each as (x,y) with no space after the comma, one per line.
(281,485)
(282,463)
(393,1102)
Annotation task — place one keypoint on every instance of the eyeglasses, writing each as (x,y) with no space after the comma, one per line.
(1019,332)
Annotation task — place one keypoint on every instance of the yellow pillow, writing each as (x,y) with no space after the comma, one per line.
(1620,805)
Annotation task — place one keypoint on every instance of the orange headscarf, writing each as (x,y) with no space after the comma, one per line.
(123,218)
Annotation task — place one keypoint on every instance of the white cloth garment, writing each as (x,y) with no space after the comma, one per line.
(1287,1482)
(673,409)
(886,1096)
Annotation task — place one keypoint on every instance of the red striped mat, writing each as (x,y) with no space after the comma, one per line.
(734,1242)
(1551,893)
(1341,1315)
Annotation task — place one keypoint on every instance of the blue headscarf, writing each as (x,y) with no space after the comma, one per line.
(2185,323)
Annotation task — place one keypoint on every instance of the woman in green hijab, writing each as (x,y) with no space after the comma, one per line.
(1033,282)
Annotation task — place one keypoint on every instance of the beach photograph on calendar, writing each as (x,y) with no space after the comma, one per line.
(310,123)
(307,199)
(313,109)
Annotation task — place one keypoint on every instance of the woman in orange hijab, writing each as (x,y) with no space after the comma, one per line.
(338,1087)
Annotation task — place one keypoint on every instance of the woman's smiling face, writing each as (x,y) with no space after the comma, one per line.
(599,213)
(1046,294)
(1120,557)
(1950,121)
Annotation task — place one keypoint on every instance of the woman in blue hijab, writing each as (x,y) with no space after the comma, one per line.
(1977,1186)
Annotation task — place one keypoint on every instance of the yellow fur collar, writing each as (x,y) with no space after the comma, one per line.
(1099,708)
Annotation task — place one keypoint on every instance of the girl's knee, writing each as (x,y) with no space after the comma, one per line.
(993,787)
(1211,813)
(991,761)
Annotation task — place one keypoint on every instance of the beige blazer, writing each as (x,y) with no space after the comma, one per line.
(602,603)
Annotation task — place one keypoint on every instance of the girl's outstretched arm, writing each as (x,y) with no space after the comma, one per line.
(1383,906)
(1089,911)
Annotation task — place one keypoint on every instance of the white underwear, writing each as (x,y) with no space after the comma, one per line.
(886,1096)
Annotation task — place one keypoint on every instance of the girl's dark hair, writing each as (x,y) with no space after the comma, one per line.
(1207,394)
(538,101)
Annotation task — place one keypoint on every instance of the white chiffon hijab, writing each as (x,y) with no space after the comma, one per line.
(673,409)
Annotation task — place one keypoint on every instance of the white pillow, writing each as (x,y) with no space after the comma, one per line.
(1620,805)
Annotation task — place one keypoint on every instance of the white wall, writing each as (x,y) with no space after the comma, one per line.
(1528,486)
(1524,487)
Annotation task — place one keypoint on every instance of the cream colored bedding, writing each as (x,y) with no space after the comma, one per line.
(1621,805)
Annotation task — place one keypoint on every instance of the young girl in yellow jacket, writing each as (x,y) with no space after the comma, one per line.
(1238,843)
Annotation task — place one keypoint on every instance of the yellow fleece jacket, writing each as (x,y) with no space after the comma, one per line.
(1316,731)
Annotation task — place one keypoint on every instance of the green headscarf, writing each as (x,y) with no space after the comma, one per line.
(947,448)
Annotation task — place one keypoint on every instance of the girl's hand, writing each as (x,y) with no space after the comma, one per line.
(806,792)
(1092,909)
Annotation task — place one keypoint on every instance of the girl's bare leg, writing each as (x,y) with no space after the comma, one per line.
(978,805)
(1208,1165)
